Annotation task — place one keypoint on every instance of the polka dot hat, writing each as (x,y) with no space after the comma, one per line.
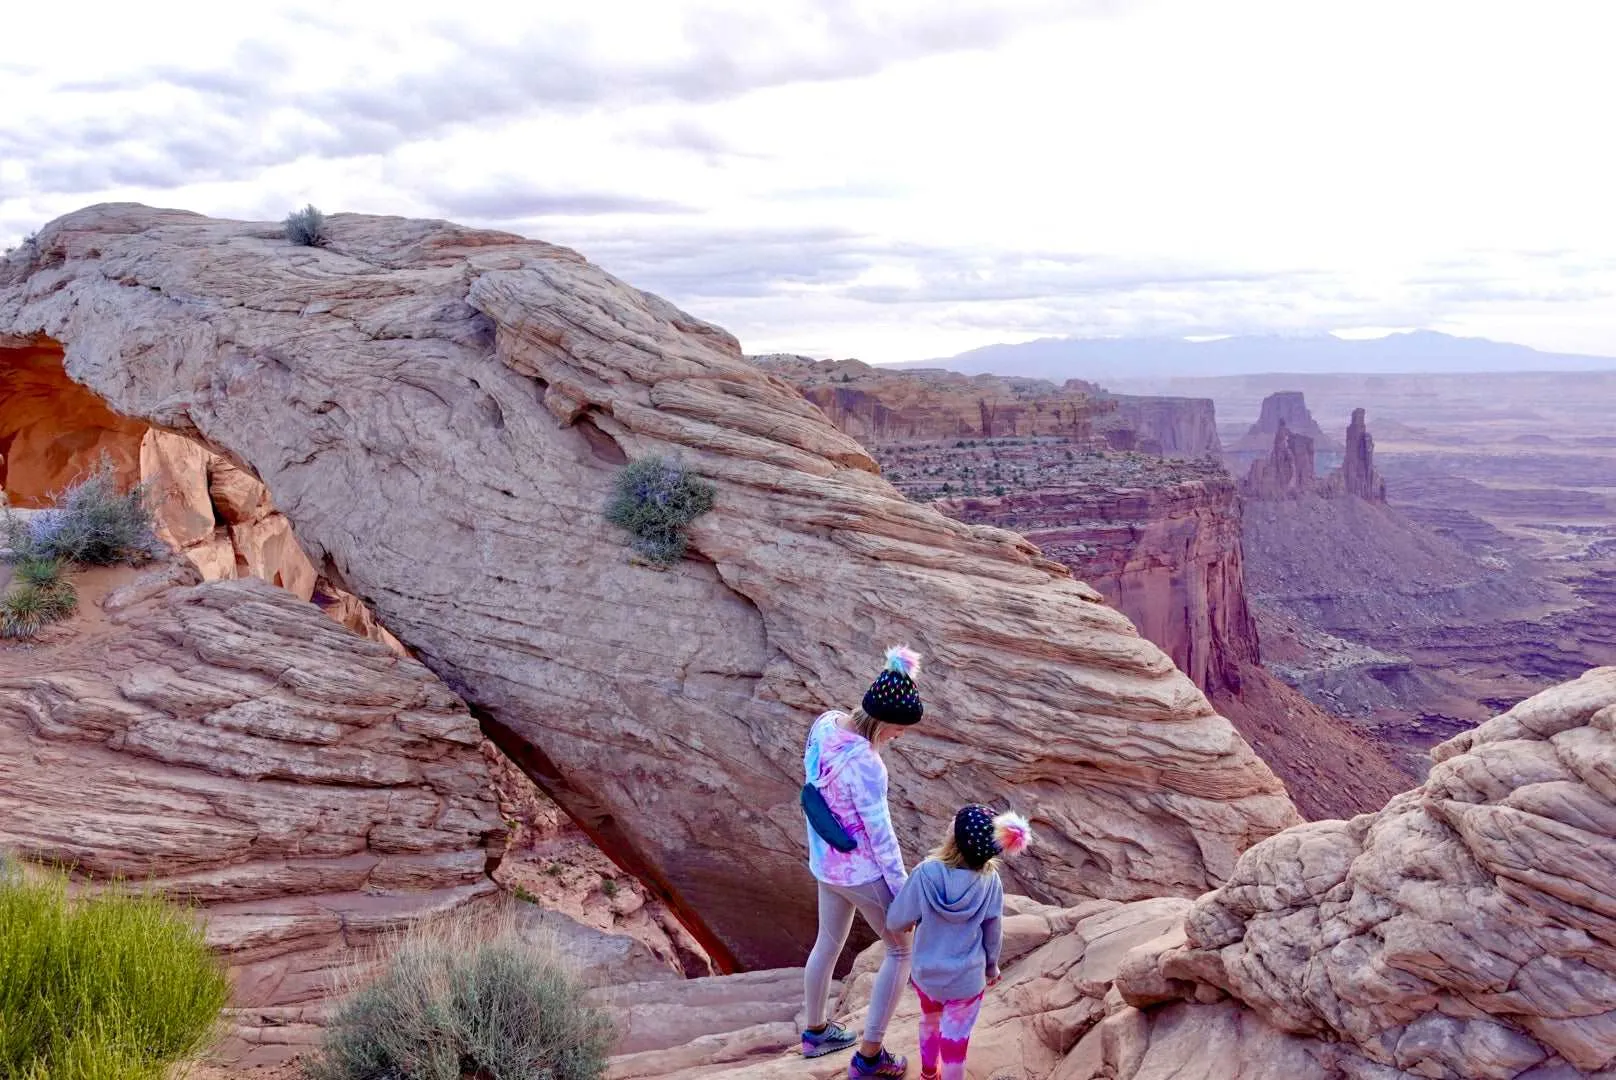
(980,834)
(892,697)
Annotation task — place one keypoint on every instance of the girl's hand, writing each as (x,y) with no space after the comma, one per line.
(995,979)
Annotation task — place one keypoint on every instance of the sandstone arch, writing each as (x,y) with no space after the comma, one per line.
(427,404)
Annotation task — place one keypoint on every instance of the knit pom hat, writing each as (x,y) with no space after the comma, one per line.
(892,697)
(982,836)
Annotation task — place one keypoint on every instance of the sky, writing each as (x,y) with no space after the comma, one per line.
(890,179)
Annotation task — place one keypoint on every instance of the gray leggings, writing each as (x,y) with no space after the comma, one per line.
(836,906)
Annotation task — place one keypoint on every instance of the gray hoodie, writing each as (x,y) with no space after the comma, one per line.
(958,912)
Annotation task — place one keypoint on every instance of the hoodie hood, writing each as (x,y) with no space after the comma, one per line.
(955,895)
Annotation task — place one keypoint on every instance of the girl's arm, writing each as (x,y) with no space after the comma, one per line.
(905,909)
(993,931)
(869,790)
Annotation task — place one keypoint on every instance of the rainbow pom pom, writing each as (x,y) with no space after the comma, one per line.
(904,660)
(1011,832)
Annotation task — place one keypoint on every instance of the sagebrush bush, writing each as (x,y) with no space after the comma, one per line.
(452,1000)
(655,500)
(105,986)
(306,227)
(93,524)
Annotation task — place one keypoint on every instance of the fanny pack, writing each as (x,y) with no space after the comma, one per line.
(822,821)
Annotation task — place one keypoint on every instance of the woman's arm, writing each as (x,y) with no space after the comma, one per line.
(868,785)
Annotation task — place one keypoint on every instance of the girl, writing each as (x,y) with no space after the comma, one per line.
(843,760)
(956,898)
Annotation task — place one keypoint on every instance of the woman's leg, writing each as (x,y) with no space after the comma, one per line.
(959,1017)
(835,920)
(931,1033)
(872,901)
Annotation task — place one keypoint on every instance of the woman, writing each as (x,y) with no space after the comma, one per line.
(843,760)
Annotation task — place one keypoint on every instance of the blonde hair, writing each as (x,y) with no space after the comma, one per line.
(949,854)
(865,726)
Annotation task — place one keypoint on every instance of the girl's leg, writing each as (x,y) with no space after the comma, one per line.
(872,901)
(835,920)
(958,1019)
(931,1033)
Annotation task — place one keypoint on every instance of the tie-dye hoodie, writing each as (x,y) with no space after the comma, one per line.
(853,779)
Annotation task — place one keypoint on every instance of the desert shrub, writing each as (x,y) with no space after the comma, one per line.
(655,500)
(107,986)
(94,524)
(41,572)
(28,608)
(451,1001)
(306,227)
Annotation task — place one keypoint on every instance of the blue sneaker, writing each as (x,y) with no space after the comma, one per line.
(885,1064)
(819,1043)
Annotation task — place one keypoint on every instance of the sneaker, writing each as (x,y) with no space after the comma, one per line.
(819,1043)
(885,1064)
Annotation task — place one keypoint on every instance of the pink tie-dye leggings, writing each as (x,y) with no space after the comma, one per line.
(945,1034)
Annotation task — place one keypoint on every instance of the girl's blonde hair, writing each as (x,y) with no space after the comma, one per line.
(866,726)
(949,854)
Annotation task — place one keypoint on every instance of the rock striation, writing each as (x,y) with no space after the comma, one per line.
(440,412)
(1464,931)
(230,745)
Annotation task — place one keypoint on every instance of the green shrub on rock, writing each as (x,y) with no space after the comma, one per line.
(105,986)
(93,524)
(655,500)
(306,227)
(449,1003)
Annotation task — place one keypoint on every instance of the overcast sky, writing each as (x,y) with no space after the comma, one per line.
(890,179)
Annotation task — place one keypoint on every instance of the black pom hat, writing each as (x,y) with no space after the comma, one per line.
(981,835)
(892,697)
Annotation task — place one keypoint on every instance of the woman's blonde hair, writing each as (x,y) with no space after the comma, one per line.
(865,726)
(949,854)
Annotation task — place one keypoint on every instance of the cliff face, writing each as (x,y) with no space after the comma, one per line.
(1171,426)
(1289,471)
(1163,545)
(441,413)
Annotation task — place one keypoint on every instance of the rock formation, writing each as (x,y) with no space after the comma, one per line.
(1288,472)
(1464,932)
(51,428)
(879,406)
(1358,475)
(1287,408)
(1170,426)
(229,745)
(440,413)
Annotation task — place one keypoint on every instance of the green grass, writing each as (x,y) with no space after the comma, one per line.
(107,986)
(27,608)
(455,999)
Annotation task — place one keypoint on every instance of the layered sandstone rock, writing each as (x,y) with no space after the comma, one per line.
(1464,931)
(1287,472)
(1170,426)
(1358,475)
(440,413)
(883,406)
(231,746)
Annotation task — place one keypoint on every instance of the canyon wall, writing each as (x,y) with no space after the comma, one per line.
(441,412)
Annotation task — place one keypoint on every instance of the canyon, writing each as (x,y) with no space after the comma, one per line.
(1482,578)
(432,417)
(1159,535)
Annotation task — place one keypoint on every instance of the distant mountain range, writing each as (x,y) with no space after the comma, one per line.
(1415,352)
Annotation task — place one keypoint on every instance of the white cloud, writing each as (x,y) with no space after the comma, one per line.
(891,179)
